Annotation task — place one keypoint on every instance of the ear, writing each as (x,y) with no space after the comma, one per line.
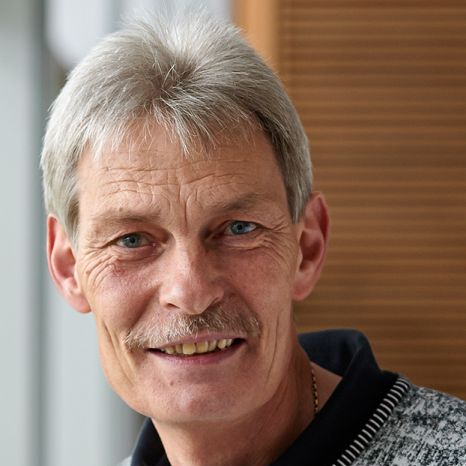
(313,230)
(62,265)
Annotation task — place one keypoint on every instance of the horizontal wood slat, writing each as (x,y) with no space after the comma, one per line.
(381,88)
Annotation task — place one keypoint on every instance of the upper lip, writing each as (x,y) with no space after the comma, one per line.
(200,337)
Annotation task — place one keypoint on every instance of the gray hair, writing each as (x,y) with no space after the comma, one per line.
(196,76)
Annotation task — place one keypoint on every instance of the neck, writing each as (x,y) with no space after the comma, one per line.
(255,439)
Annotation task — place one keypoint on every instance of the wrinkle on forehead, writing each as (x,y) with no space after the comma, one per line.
(117,169)
(146,135)
(177,187)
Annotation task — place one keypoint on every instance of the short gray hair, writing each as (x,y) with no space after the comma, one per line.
(195,76)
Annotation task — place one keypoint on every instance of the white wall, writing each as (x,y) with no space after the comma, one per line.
(18,235)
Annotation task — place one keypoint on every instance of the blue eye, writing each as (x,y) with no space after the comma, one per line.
(240,228)
(131,241)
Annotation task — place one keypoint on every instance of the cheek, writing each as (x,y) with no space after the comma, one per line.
(268,270)
(118,366)
(264,279)
(263,282)
(117,305)
(117,296)
(94,266)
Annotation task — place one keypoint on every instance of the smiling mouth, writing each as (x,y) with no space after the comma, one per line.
(200,347)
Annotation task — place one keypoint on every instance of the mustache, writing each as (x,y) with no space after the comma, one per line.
(158,332)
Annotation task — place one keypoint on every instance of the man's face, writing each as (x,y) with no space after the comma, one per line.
(163,240)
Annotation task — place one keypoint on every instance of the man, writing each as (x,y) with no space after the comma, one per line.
(177,181)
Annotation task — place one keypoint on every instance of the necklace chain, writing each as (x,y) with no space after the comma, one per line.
(315,395)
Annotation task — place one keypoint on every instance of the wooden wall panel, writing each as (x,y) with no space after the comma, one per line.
(258,20)
(381,89)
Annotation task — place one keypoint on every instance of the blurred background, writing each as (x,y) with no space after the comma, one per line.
(381,88)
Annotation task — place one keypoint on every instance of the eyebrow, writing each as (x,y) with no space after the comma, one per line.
(117,217)
(110,220)
(246,201)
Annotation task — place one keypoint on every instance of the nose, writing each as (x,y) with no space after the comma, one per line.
(190,280)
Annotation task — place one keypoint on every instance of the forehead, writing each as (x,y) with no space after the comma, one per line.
(159,160)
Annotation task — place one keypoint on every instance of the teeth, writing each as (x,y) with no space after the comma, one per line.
(212,345)
(189,348)
(200,347)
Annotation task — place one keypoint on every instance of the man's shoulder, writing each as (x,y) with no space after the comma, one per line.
(440,416)
(426,427)
(422,400)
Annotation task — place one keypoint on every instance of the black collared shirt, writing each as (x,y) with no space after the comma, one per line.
(329,436)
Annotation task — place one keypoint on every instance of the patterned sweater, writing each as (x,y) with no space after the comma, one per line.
(425,428)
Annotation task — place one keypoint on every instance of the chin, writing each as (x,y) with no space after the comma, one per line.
(196,406)
(187,408)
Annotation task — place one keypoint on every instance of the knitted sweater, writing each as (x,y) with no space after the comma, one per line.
(425,428)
